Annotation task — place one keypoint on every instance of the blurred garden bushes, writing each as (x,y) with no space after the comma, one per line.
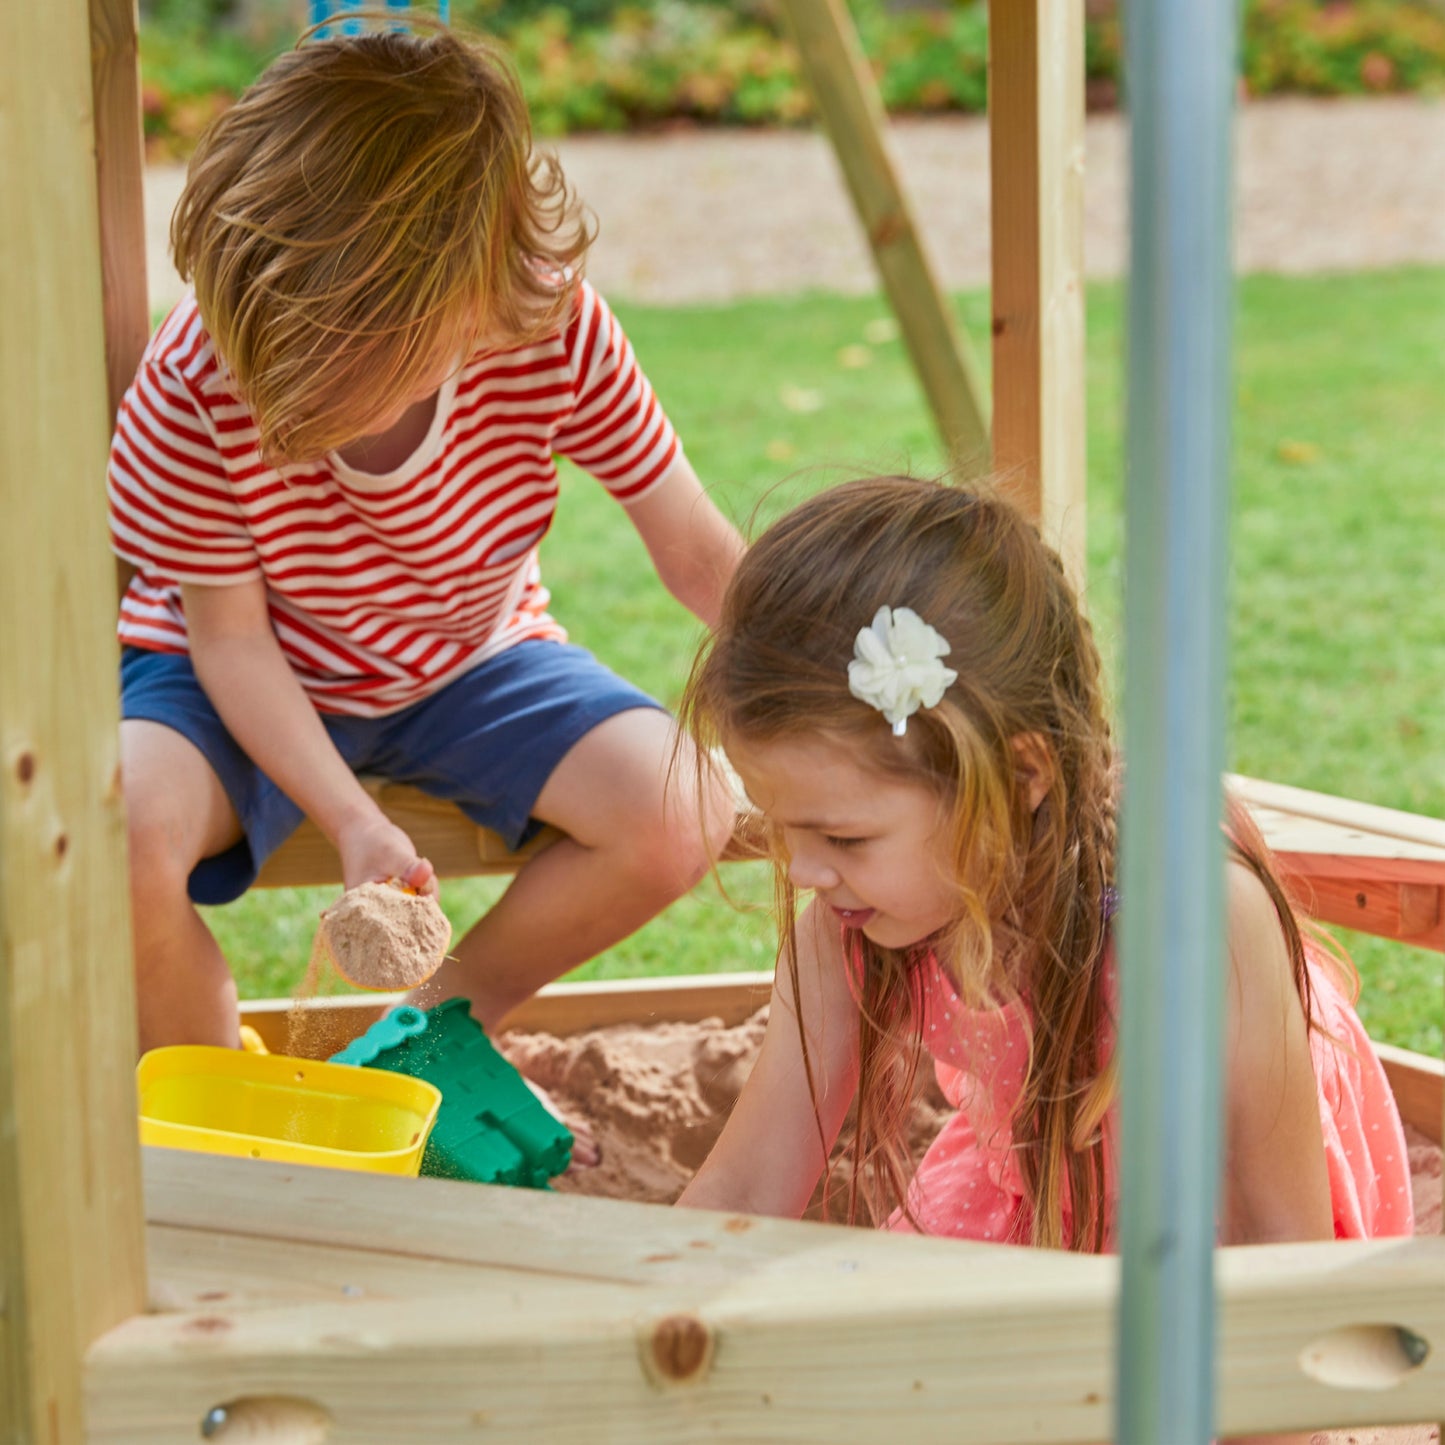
(616,64)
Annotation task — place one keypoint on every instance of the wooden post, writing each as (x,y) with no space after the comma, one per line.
(120,180)
(852,114)
(71,1260)
(119,169)
(1036,161)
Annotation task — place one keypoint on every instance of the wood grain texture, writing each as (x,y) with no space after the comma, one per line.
(852,114)
(560,1009)
(455,846)
(119,169)
(683,1326)
(1036,169)
(1418,1084)
(71,1253)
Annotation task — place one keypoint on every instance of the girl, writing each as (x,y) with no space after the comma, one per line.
(955,823)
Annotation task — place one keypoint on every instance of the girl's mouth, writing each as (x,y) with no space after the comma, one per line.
(853,917)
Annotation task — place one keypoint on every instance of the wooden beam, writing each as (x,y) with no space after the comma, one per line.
(119,169)
(1036,164)
(455,846)
(442,833)
(852,114)
(561,1009)
(1376,870)
(681,1326)
(1364,820)
(119,172)
(71,1253)
(1418,1084)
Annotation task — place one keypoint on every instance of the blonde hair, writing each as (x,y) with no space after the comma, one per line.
(1034,886)
(367,210)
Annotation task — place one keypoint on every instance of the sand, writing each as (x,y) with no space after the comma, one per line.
(384,936)
(655,1098)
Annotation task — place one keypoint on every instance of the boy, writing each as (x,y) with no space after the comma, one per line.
(332,473)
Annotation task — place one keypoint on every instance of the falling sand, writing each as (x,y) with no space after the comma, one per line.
(384,936)
(381,936)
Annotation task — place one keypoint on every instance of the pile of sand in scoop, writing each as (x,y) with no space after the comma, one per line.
(385,936)
(655,1098)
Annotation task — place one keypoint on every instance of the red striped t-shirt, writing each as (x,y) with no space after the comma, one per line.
(382,589)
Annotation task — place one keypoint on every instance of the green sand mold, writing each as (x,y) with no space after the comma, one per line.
(491,1128)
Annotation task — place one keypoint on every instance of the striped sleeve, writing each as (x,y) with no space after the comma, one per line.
(617,430)
(173,509)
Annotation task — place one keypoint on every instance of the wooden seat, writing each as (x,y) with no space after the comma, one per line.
(1377,870)
(1355,865)
(442,833)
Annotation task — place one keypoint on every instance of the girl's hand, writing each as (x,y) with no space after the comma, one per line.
(769,1156)
(373,851)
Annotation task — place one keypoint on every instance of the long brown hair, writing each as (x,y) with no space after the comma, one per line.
(366,211)
(1034,885)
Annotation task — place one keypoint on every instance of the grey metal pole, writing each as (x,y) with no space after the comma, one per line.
(1180,84)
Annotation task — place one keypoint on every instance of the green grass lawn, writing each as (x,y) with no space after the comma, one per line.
(1337,615)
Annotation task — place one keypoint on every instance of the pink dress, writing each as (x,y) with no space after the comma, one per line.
(969,1184)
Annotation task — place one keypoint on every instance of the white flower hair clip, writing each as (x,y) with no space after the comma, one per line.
(896,666)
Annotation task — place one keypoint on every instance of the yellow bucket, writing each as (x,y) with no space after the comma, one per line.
(268,1106)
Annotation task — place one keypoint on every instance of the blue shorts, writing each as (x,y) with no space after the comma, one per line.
(487,742)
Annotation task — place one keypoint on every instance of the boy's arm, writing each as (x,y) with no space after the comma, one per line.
(1276,1183)
(251,685)
(692,545)
(769,1157)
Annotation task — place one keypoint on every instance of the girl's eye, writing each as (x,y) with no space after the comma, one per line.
(836,842)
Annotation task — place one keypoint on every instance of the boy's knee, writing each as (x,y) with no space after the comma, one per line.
(160,862)
(692,832)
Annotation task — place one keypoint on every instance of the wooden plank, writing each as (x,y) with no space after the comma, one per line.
(119,168)
(1345,813)
(1370,900)
(205,1271)
(1036,165)
(567,1008)
(852,114)
(455,846)
(443,834)
(119,171)
(1290,833)
(1355,865)
(559,1008)
(702,1326)
(71,1249)
(1418,1083)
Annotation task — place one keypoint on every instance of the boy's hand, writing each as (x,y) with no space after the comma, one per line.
(377,850)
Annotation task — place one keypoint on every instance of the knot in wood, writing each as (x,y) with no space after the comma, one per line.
(680,1350)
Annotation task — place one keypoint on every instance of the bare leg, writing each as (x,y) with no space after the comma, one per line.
(635,842)
(177,813)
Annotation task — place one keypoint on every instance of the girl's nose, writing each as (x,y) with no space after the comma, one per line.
(810,872)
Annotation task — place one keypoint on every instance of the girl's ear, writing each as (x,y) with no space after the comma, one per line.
(1034,765)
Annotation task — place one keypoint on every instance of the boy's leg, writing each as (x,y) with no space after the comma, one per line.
(636,840)
(177,813)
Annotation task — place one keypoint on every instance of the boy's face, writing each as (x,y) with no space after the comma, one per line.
(392,412)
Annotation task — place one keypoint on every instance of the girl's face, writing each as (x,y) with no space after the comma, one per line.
(872,847)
